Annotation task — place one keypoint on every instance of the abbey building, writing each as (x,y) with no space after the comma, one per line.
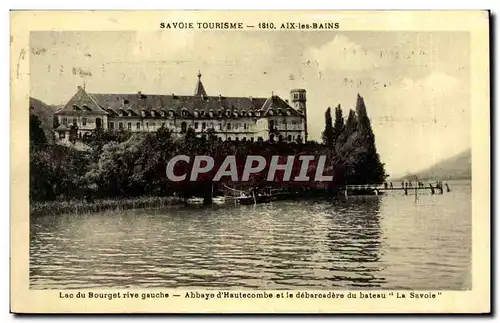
(231,118)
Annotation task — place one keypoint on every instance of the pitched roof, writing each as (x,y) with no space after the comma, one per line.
(133,104)
(200,89)
(81,103)
(61,127)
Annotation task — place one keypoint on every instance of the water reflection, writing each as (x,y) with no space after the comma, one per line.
(361,242)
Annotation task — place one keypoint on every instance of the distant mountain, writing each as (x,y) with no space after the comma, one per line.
(456,167)
(45,114)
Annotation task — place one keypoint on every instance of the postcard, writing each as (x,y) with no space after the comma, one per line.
(250,162)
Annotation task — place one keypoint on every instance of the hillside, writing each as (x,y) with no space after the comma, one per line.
(45,114)
(456,167)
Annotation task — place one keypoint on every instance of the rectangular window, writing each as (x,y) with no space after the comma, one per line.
(228,126)
(203,125)
(120,125)
(62,134)
(138,125)
(245,126)
(220,126)
(84,121)
(129,126)
(196,125)
(111,125)
(65,121)
(236,125)
(74,120)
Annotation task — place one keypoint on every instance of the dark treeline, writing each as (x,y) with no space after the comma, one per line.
(123,164)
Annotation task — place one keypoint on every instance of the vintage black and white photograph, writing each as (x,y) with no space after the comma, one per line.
(133,137)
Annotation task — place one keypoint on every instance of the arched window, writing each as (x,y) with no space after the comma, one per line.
(184,112)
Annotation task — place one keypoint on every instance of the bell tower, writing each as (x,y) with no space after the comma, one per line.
(298,100)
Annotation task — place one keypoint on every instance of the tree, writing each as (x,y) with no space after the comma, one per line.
(37,135)
(328,132)
(338,126)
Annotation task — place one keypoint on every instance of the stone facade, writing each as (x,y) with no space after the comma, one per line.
(232,118)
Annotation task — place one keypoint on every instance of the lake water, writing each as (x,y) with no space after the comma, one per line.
(373,242)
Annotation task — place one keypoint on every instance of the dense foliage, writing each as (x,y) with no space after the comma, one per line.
(123,164)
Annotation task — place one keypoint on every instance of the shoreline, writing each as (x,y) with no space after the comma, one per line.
(81,206)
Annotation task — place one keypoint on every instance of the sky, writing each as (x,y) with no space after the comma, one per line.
(416,85)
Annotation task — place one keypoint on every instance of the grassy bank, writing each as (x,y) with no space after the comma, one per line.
(82,206)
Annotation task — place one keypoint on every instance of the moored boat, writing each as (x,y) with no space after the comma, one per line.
(219,200)
(195,200)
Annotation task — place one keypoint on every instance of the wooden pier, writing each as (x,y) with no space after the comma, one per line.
(376,189)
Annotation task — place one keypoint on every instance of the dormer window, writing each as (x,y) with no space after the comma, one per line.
(211,113)
(235,114)
(120,112)
(202,113)
(228,113)
(279,111)
(271,112)
(196,113)
(243,113)
(171,113)
(75,107)
(288,112)
(257,113)
(184,112)
(219,113)
(130,112)
(143,113)
(153,113)
(250,113)
(163,113)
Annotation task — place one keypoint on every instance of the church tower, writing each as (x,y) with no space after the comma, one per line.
(298,100)
(200,89)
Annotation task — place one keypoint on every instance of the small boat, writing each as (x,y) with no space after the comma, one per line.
(219,200)
(195,200)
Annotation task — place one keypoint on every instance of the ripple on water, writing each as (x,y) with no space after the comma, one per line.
(385,242)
